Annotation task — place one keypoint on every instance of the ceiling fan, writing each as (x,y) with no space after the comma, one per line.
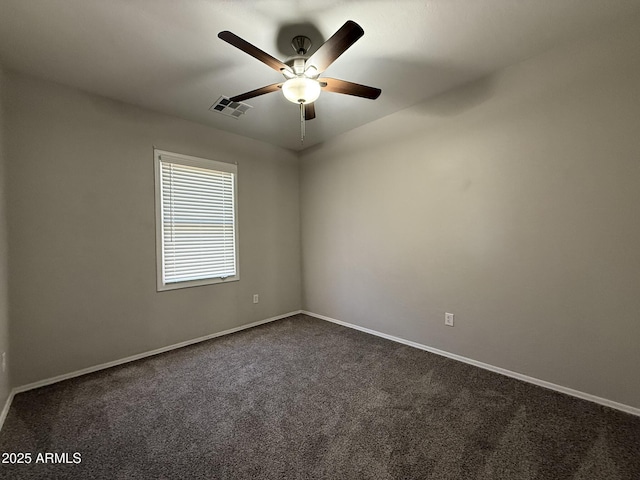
(302,84)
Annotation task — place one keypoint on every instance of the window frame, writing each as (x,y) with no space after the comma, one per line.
(208,164)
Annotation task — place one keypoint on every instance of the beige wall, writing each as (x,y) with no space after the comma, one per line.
(512,202)
(82,235)
(5,385)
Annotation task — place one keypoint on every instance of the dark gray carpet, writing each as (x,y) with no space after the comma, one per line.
(303,398)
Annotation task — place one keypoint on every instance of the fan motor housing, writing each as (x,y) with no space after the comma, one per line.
(296,63)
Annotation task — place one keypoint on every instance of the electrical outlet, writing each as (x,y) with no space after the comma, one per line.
(4,361)
(448,319)
(256,298)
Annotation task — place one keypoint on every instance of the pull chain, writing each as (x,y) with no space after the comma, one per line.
(302,132)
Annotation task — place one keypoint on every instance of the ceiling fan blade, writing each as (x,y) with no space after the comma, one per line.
(335,46)
(257,92)
(254,51)
(309,111)
(349,88)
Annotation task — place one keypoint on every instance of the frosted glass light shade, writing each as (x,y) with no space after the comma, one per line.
(301,90)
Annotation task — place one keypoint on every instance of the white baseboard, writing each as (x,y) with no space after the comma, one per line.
(84,371)
(5,409)
(486,366)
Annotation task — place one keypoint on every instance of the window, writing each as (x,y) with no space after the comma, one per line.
(196,234)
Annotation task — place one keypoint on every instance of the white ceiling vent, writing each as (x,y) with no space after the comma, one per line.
(231,109)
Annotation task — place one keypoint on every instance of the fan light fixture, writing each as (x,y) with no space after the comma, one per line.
(301,90)
(302,72)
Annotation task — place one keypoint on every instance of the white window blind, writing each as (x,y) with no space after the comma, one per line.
(197,220)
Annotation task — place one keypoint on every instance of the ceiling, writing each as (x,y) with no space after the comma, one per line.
(165,55)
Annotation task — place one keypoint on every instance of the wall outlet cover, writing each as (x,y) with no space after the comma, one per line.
(448,319)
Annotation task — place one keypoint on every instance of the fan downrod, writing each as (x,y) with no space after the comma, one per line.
(301,44)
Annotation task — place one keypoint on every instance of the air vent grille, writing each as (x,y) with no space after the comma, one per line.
(231,109)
